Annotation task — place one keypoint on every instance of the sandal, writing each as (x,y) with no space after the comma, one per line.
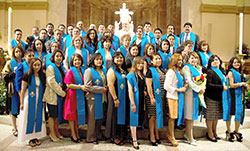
(32,143)
(117,141)
(238,136)
(37,142)
(172,141)
(15,132)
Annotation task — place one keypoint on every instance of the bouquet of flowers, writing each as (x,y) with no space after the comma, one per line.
(201,81)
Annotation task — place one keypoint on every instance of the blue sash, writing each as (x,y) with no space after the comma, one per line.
(99,35)
(195,73)
(37,56)
(91,48)
(26,67)
(180,84)
(48,62)
(204,58)
(116,42)
(97,80)
(151,37)
(176,40)
(147,59)
(121,87)
(165,60)
(102,52)
(238,97)
(83,33)
(81,113)
(61,44)
(35,109)
(59,80)
(158,98)
(192,37)
(123,51)
(14,44)
(144,41)
(72,50)
(68,40)
(134,116)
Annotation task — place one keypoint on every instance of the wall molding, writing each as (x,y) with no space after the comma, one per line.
(225,9)
(24,5)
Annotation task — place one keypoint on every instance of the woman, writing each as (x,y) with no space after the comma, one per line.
(191,105)
(148,52)
(95,80)
(74,106)
(114,42)
(39,49)
(107,52)
(12,97)
(76,47)
(165,54)
(140,40)
(54,93)
(90,41)
(136,85)
(125,41)
(116,127)
(174,85)
(32,121)
(236,89)
(204,53)
(155,79)
(132,53)
(216,82)
(183,53)
(46,60)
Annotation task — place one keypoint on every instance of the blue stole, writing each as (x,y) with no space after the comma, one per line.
(91,48)
(45,39)
(35,111)
(26,67)
(14,44)
(15,97)
(48,62)
(37,56)
(165,60)
(97,80)
(192,37)
(148,59)
(68,40)
(121,87)
(180,84)
(80,97)
(83,33)
(195,73)
(238,97)
(59,80)
(157,95)
(116,42)
(72,50)
(99,35)
(204,58)
(176,40)
(134,116)
(151,37)
(62,42)
(144,41)
(113,43)
(123,51)
(64,35)
(102,52)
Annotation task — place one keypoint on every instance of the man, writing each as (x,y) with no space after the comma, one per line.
(171,30)
(43,35)
(57,37)
(171,39)
(148,34)
(50,30)
(92,26)
(101,30)
(116,40)
(80,26)
(62,28)
(17,41)
(35,32)
(189,35)
(67,40)
(158,35)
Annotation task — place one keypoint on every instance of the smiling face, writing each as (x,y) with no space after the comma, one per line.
(140,65)
(54,46)
(18,53)
(78,42)
(76,32)
(134,51)
(126,41)
(150,51)
(36,66)
(92,34)
(158,34)
(70,30)
(98,61)
(118,60)
(79,25)
(164,46)
(156,61)
(35,31)
(171,40)
(179,62)
(101,28)
(147,27)
(18,35)
(170,30)
(204,48)
(106,44)
(43,35)
(58,58)
(50,28)
(236,64)
(29,56)
(139,33)
(58,35)
(193,61)
(62,28)
(215,63)
(187,29)
(38,45)
(77,62)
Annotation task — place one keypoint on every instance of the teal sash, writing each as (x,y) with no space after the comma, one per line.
(239,116)
(97,80)
(192,37)
(144,41)
(123,51)
(81,113)
(72,50)
(61,43)
(48,62)
(116,42)
(151,37)
(195,73)
(158,98)
(35,109)
(102,52)
(176,41)
(204,58)
(14,44)
(91,48)
(180,84)
(68,40)
(26,67)
(121,87)
(147,59)
(165,60)
(134,116)
(37,56)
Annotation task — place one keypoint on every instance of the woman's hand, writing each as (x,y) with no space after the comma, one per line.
(106,88)
(183,89)
(202,91)
(133,108)
(117,102)
(152,101)
(44,104)
(84,88)
(225,88)
(21,106)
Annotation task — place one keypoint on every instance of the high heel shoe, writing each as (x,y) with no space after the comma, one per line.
(238,136)
(152,143)
(53,139)
(172,140)
(135,147)
(230,136)
(158,141)
(73,140)
(211,139)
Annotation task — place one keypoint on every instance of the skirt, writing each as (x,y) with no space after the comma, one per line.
(214,109)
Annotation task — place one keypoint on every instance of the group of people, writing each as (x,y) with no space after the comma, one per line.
(126,83)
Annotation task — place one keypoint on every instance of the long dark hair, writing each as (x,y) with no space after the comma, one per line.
(211,59)
(165,40)
(40,72)
(88,40)
(118,53)
(92,60)
(34,45)
(231,61)
(151,59)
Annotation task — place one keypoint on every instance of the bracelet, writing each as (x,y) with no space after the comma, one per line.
(116,99)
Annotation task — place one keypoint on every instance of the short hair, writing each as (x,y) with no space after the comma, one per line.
(77,55)
(123,37)
(43,29)
(188,23)
(171,35)
(16,30)
(92,60)
(57,30)
(73,39)
(171,25)
(105,38)
(70,26)
(147,23)
(158,29)
(30,38)
(61,25)
(28,51)
(50,24)
(188,42)
(165,40)
(58,44)
(138,27)
(18,47)
(35,27)
(52,58)
(202,43)
(193,54)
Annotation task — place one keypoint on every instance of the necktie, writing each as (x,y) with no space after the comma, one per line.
(186,37)
(148,37)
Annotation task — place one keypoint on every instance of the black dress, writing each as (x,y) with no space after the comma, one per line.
(141,86)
